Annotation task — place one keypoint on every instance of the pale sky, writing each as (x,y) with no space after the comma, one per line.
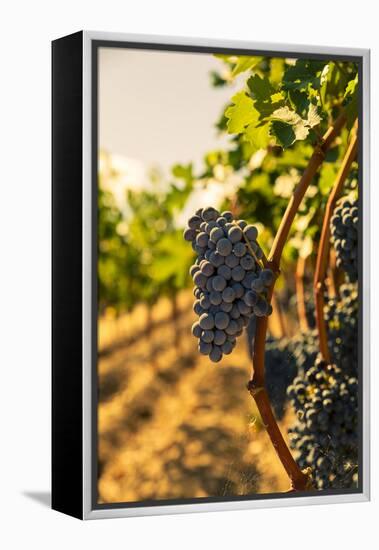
(158,107)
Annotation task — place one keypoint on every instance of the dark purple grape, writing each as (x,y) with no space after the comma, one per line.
(210,225)
(205,302)
(228,294)
(238,273)
(215,298)
(242,307)
(232,328)
(232,260)
(193,269)
(216,234)
(238,289)
(197,308)
(224,271)
(218,283)
(267,276)
(257,285)
(194,222)
(216,259)
(247,262)
(227,215)
(202,239)
(227,347)
(205,348)
(224,247)
(221,320)
(196,330)
(189,234)
(216,354)
(251,232)
(219,337)
(248,279)
(200,279)
(235,234)
(207,321)
(239,249)
(207,336)
(235,312)
(207,269)
(226,306)
(251,298)
(210,214)
(260,308)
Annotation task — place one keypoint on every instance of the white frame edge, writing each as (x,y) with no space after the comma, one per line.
(88,511)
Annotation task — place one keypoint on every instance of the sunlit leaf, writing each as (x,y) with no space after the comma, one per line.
(241,113)
(257,136)
(313,117)
(245,63)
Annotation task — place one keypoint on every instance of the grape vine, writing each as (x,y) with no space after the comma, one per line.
(291,154)
(285,112)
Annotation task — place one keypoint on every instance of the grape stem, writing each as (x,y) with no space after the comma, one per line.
(323,249)
(300,480)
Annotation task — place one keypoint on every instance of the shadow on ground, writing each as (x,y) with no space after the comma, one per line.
(42,497)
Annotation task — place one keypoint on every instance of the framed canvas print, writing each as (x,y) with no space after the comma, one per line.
(210,275)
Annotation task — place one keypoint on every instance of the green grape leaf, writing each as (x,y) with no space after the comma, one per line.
(302,74)
(351,102)
(299,101)
(277,68)
(283,132)
(288,126)
(245,63)
(261,91)
(351,87)
(333,82)
(257,136)
(184,172)
(260,88)
(241,113)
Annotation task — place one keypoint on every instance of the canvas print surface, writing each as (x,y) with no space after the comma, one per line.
(228,268)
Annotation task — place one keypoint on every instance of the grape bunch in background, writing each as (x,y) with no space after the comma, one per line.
(341,315)
(344,236)
(230,282)
(325,436)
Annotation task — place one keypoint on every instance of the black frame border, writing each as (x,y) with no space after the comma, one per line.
(67,286)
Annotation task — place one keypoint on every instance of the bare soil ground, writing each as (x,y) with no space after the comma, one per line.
(171,423)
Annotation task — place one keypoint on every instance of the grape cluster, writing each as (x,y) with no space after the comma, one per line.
(341,315)
(325,436)
(230,284)
(286,358)
(344,236)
